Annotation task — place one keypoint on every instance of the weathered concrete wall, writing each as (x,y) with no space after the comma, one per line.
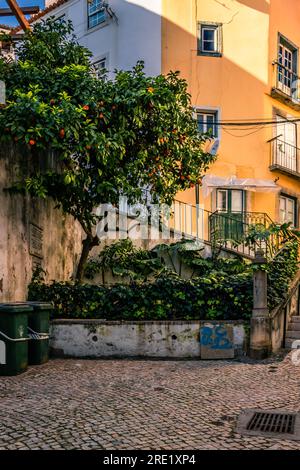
(170,339)
(32,233)
(281,316)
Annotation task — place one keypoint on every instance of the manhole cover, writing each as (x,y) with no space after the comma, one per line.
(280,423)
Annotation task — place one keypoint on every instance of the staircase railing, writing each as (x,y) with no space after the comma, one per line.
(233,232)
(190,221)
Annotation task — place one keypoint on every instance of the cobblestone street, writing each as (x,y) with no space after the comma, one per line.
(103,404)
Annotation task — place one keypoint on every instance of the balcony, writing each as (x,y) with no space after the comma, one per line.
(287,86)
(284,158)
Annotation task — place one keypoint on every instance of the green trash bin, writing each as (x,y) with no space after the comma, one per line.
(38,331)
(14,338)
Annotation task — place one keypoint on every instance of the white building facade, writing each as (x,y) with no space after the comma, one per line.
(118,32)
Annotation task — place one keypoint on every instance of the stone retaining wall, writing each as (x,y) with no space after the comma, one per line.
(164,339)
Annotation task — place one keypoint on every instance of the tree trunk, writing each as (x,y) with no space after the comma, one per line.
(87,245)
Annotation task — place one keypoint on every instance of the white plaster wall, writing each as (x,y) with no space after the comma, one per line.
(136,35)
(95,338)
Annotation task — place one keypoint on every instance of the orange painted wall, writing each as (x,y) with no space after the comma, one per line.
(238,84)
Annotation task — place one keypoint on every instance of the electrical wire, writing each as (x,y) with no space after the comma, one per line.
(248,128)
(257,123)
(244,135)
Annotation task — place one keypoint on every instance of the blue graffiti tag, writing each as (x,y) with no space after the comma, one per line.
(215,337)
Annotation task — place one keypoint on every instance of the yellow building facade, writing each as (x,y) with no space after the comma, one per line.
(241,61)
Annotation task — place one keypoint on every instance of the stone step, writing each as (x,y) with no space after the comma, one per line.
(293,334)
(294,326)
(295,319)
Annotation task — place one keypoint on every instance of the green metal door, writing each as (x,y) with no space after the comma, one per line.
(230,208)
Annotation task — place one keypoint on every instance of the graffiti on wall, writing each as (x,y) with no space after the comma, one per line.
(216,341)
(215,337)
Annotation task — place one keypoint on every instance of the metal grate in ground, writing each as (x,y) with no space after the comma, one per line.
(280,424)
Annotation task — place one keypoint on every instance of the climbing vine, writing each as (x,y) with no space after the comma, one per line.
(219,288)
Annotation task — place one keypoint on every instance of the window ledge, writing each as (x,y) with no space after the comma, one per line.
(209,54)
(95,28)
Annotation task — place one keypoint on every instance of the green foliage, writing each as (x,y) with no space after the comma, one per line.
(125,260)
(271,238)
(220,288)
(282,271)
(109,137)
(215,296)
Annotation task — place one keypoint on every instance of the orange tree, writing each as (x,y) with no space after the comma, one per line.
(109,136)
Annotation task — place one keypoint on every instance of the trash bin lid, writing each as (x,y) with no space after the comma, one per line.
(15,307)
(40,305)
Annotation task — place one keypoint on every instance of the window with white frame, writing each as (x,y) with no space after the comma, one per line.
(96,13)
(222,200)
(100,67)
(210,39)
(287,210)
(207,122)
(287,74)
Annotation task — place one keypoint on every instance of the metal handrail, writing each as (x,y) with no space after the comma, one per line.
(285,155)
(289,89)
(245,215)
(230,232)
(277,138)
(276,62)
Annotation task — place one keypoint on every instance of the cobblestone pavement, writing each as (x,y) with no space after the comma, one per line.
(111,404)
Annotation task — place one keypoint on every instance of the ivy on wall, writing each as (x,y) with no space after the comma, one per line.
(220,288)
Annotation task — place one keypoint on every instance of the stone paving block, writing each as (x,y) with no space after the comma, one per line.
(104,404)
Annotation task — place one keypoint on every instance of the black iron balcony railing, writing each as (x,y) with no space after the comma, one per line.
(286,85)
(284,157)
(230,231)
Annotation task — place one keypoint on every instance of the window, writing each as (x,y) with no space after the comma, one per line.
(222,200)
(207,122)
(287,210)
(100,67)
(287,66)
(96,13)
(230,200)
(210,39)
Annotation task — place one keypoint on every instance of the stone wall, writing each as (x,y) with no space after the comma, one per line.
(32,233)
(282,315)
(165,339)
